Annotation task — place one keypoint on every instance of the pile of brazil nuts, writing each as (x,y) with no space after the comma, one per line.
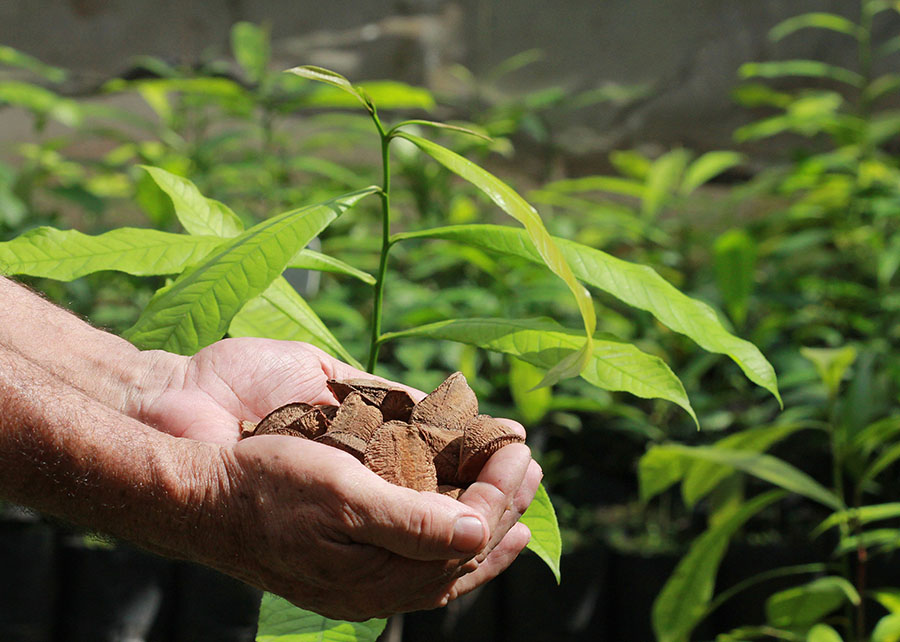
(439,444)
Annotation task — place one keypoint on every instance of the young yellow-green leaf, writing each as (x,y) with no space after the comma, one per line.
(386,94)
(510,202)
(15,58)
(198,307)
(636,285)
(281,621)
(887,629)
(65,255)
(707,167)
(41,101)
(540,518)
(612,365)
(734,264)
(766,467)
(281,313)
(610,184)
(531,403)
(889,598)
(831,364)
(823,633)
(664,177)
(307,259)
(198,214)
(684,599)
(862,515)
(311,72)
(887,457)
(658,469)
(438,125)
(250,46)
(815,20)
(802,606)
(805,68)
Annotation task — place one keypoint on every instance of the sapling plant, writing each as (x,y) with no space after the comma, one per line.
(227,279)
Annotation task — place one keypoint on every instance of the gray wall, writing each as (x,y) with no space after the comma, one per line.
(687,50)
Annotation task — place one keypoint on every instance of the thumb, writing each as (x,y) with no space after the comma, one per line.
(420,526)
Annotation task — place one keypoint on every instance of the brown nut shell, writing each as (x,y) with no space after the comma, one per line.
(483,437)
(356,416)
(397,454)
(281,420)
(346,441)
(444,448)
(451,405)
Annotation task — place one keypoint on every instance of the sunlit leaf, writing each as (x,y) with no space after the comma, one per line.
(281,621)
(198,214)
(831,364)
(250,46)
(887,629)
(683,601)
(665,174)
(707,167)
(610,184)
(307,259)
(65,255)
(803,606)
(198,307)
(734,264)
(805,68)
(510,202)
(658,469)
(823,633)
(281,313)
(540,518)
(16,58)
(612,365)
(636,285)
(311,72)
(815,20)
(889,598)
(41,101)
(437,125)
(531,403)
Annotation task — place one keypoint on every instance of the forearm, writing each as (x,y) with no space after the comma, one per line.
(105,367)
(68,455)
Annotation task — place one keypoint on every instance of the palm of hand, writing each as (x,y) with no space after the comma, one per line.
(241,379)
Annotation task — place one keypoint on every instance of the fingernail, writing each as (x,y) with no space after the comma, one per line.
(468,534)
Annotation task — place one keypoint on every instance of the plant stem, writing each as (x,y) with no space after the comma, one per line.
(374,344)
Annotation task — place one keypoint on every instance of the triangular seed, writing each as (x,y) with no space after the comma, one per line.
(281,417)
(357,417)
(483,437)
(397,454)
(452,405)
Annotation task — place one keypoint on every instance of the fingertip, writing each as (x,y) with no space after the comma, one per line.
(470,534)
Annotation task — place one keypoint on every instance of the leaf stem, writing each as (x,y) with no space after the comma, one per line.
(377,310)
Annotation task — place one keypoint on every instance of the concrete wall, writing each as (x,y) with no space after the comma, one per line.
(688,51)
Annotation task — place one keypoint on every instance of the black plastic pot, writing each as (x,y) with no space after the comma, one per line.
(211,607)
(28,588)
(111,594)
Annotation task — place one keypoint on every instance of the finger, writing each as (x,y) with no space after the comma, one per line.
(515,426)
(419,526)
(498,561)
(520,504)
(494,491)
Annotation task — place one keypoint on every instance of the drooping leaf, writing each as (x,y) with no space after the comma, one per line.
(862,515)
(707,167)
(281,313)
(281,621)
(703,476)
(766,467)
(831,364)
(806,68)
(887,629)
(636,285)
(514,205)
(307,259)
(612,365)
(311,72)
(459,129)
(683,601)
(16,58)
(198,307)
(803,606)
(815,20)
(540,518)
(198,214)
(65,255)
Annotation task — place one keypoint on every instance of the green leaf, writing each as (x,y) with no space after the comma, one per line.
(65,255)
(438,125)
(658,469)
(311,72)
(831,364)
(683,601)
(510,202)
(307,259)
(540,518)
(823,633)
(803,606)
(890,455)
(703,476)
(889,598)
(815,20)
(531,403)
(862,515)
(887,629)
(806,68)
(665,174)
(41,101)
(770,469)
(281,313)
(734,263)
(384,93)
(15,58)
(250,46)
(636,285)
(198,307)
(198,214)
(707,167)
(514,205)
(281,621)
(611,184)
(612,365)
